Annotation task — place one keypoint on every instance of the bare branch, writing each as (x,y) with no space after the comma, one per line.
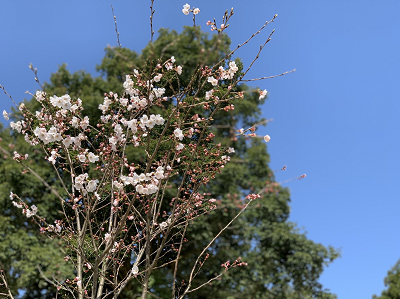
(34,70)
(268,77)
(5,284)
(152,11)
(116,29)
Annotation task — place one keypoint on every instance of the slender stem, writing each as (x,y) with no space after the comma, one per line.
(147,246)
(80,240)
(258,55)
(127,279)
(79,253)
(208,246)
(116,29)
(152,11)
(269,77)
(177,260)
(3,278)
(110,229)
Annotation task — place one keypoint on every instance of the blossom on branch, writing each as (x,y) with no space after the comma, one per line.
(263,94)
(186,9)
(178,133)
(5,115)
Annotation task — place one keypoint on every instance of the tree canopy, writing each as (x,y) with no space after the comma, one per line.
(392,282)
(282,261)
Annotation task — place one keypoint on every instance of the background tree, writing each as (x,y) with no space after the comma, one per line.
(283,263)
(392,282)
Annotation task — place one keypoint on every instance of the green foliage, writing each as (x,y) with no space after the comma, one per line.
(392,282)
(282,262)
(23,250)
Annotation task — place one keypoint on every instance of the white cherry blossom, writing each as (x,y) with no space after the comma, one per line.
(92,185)
(178,133)
(5,115)
(135,270)
(93,158)
(212,80)
(263,94)
(186,9)
(16,126)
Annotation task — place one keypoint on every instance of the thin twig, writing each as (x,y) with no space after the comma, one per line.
(2,87)
(45,277)
(258,55)
(44,182)
(5,151)
(116,29)
(207,282)
(211,242)
(152,11)
(3,278)
(177,259)
(34,70)
(52,282)
(269,77)
(250,38)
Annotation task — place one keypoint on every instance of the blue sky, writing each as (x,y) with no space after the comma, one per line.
(335,118)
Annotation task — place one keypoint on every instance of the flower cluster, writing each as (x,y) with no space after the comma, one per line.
(17,125)
(18,157)
(28,212)
(253,196)
(83,184)
(242,131)
(48,136)
(55,228)
(237,263)
(31,212)
(221,74)
(5,115)
(186,10)
(230,73)
(144,183)
(40,95)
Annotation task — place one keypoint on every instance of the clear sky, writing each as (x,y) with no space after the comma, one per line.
(335,118)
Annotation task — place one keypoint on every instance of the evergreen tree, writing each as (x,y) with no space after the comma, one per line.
(392,282)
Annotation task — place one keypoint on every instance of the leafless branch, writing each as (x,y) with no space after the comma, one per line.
(34,70)
(209,244)
(269,77)
(177,260)
(5,92)
(4,283)
(258,55)
(116,29)
(152,11)
(250,38)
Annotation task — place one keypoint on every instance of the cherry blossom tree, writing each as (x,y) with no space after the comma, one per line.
(108,194)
